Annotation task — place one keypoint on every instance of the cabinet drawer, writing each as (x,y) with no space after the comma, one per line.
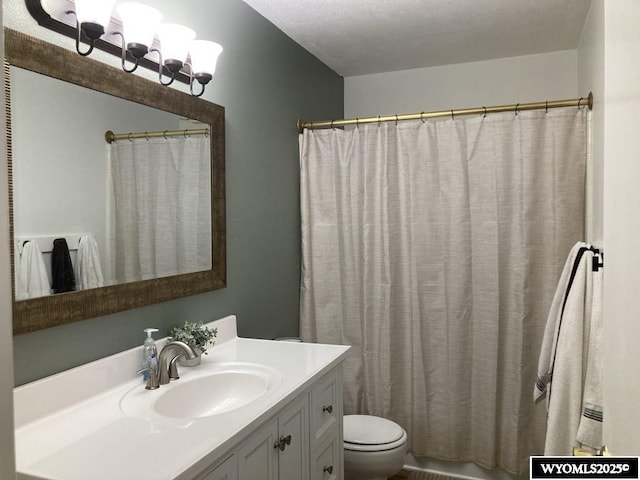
(326,464)
(326,408)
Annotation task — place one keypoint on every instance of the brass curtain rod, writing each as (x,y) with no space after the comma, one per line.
(111,137)
(575,102)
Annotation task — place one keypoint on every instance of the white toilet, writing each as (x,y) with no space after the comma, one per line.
(374,447)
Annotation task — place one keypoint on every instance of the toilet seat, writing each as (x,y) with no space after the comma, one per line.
(367,433)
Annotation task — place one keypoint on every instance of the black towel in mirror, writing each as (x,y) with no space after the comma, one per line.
(61,268)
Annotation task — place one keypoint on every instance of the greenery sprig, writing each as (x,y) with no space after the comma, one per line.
(195,334)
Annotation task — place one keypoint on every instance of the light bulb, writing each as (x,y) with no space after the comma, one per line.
(174,44)
(204,56)
(92,11)
(139,25)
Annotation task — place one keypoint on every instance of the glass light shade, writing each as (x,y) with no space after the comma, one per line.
(94,11)
(139,22)
(204,56)
(175,41)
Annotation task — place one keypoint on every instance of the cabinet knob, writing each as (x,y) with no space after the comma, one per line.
(282,442)
(328,408)
(328,469)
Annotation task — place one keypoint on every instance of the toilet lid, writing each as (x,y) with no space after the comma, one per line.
(371,430)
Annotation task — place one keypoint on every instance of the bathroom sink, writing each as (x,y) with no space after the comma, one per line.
(210,391)
(210,395)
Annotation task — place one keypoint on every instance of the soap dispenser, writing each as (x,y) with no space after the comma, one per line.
(149,352)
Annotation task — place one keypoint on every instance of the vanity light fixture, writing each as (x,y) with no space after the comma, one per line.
(174,46)
(139,25)
(204,56)
(180,55)
(91,18)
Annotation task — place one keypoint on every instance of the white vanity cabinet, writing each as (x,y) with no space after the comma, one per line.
(292,445)
(303,441)
(227,470)
(257,457)
(327,463)
(279,450)
(290,431)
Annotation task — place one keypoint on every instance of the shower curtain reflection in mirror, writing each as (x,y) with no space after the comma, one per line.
(434,249)
(158,207)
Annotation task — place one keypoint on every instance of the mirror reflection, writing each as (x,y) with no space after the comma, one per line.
(91,213)
(57,183)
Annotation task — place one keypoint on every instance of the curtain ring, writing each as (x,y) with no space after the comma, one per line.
(485,112)
(452,115)
(332,125)
(579,102)
(422,117)
(164,134)
(516,110)
(186,134)
(146,136)
(129,136)
(546,106)
(357,122)
(378,120)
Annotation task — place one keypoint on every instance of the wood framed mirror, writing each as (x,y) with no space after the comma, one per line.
(34,55)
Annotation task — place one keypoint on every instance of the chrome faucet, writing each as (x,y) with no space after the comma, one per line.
(168,370)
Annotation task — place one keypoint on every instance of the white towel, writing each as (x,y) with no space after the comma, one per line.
(590,428)
(88,267)
(565,396)
(31,274)
(549,340)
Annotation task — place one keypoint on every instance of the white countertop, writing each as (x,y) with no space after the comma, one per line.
(70,426)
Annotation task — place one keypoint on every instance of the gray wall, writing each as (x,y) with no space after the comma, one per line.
(265,81)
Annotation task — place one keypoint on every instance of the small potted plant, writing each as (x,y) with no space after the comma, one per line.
(197,336)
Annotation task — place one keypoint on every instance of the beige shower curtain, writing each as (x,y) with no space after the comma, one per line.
(434,249)
(158,208)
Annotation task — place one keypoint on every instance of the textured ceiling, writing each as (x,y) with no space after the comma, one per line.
(356,37)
